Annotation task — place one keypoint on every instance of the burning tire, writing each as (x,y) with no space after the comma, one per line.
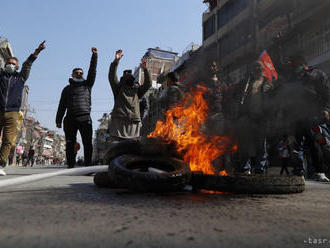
(149,173)
(143,146)
(103,180)
(249,184)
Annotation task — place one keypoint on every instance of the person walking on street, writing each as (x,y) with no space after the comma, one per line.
(30,157)
(125,117)
(11,89)
(76,103)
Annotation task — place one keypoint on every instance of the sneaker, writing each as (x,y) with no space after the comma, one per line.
(2,171)
(321,177)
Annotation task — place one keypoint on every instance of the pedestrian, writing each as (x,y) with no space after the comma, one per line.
(125,117)
(284,150)
(11,89)
(321,148)
(76,103)
(19,153)
(30,158)
(24,158)
(76,149)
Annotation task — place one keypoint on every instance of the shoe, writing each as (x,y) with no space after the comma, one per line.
(2,171)
(70,166)
(321,177)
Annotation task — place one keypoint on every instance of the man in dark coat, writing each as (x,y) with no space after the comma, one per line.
(217,88)
(125,117)
(76,102)
(11,89)
(252,122)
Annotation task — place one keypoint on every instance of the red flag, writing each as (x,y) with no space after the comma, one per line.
(269,71)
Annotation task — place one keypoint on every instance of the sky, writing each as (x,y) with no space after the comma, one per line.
(72,27)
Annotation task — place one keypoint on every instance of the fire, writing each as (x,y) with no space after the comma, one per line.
(183,127)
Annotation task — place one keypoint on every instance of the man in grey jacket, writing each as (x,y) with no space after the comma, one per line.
(125,117)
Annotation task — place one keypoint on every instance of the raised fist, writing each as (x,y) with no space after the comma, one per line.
(119,54)
(94,50)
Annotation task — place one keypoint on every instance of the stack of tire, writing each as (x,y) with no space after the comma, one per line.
(148,165)
(144,165)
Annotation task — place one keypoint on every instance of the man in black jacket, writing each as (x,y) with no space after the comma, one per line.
(76,102)
(11,89)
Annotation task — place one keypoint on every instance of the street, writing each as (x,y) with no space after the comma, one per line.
(69,211)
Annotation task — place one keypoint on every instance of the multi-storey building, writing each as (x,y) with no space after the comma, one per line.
(237,31)
(100,142)
(158,61)
(5,51)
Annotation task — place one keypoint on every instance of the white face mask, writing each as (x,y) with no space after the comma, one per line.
(78,80)
(10,68)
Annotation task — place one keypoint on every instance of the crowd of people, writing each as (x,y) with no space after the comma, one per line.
(283,121)
(287,118)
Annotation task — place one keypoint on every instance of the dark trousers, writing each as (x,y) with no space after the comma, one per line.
(285,164)
(30,159)
(85,128)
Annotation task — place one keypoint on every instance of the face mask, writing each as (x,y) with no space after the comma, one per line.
(10,68)
(78,80)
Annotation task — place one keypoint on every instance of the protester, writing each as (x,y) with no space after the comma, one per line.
(11,89)
(175,91)
(125,117)
(251,124)
(216,87)
(76,102)
(30,158)
(321,147)
(303,93)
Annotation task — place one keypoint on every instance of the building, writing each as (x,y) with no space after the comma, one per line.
(237,31)
(101,138)
(5,51)
(158,61)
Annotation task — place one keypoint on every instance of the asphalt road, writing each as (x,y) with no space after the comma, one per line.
(69,211)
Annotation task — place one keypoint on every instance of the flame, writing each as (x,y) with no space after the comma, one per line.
(183,127)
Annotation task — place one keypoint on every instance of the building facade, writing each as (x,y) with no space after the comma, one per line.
(158,62)
(237,31)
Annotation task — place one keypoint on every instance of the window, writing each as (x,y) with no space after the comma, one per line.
(230,10)
(235,39)
(209,27)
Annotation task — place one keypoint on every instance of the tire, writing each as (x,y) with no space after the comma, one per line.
(144,146)
(123,170)
(249,184)
(103,180)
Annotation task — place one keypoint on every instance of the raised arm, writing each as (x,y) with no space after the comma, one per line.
(26,67)
(113,72)
(92,68)
(147,82)
(61,109)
